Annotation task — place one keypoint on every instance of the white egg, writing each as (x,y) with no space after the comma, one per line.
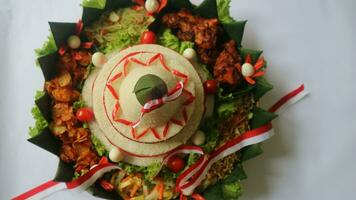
(151,6)
(98,59)
(198,138)
(247,70)
(73,42)
(116,155)
(190,54)
(113,17)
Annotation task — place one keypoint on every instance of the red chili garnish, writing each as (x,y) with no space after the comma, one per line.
(103,160)
(106,185)
(79,168)
(197,196)
(62,50)
(76,56)
(182,197)
(162,5)
(87,45)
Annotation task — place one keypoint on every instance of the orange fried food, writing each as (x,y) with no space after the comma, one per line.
(62,112)
(206,33)
(76,144)
(65,94)
(225,69)
(68,153)
(84,58)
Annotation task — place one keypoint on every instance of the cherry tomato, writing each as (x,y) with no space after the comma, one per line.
(175,164)
(210,86)
(148,37)
(85,114)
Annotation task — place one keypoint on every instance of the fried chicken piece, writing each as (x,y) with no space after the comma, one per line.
(62,112)
(184,21)
(65,94)
(85,58)
(208,56)
(68,154)
(67,62)
(204,32)
(225,69)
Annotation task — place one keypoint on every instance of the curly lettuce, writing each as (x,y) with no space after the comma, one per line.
(98,146)
(100,4)
(40,122)
(48,47)
(78,104)
(149,172)
(168,39)
(223,9)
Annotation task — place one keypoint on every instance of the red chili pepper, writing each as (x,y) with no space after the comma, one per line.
(106,185)
(162,5)
(76,56)
(182,197)
(79,168)
(103,160)
(87,45)
(197,196)
(62,50)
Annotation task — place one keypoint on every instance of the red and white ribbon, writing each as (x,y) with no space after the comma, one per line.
(156,103)
(78,185)
(195,174)
(192,177)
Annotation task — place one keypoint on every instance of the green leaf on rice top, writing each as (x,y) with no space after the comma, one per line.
(149,87)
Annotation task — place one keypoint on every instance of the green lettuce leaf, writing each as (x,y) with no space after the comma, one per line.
(226,110)
(223,9)
(78,104)
(152,170)
(48,47)
(98,146)
(149,172)
(209,127)
(100,4)
(231,191)
(168,39)
(40,122)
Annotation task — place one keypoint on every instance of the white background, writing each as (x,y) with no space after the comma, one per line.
(310,41)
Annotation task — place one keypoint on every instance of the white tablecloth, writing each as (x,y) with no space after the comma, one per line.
(312,155)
